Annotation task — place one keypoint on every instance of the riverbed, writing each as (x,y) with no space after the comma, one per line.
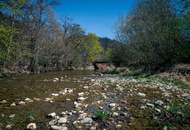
(84,100)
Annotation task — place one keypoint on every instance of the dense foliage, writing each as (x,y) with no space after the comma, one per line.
(31,39)
(155,34)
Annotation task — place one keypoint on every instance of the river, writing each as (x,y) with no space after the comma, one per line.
(84,100)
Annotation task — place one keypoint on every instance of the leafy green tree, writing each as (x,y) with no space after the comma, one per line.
(5,46)
(92,47)
(8,30)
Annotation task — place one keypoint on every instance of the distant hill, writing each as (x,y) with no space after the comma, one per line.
(107,42)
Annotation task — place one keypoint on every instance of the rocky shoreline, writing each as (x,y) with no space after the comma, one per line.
(109,102)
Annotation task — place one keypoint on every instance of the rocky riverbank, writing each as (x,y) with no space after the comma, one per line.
(107,102)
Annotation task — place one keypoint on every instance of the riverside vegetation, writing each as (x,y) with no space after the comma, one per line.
(144,82)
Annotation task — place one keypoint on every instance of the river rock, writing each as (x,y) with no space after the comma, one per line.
(53,122)
(159,102)
(68,90)
(85,87)
(12,116)
(150,104)
(36,99)
(82,98)
(55,127)
(112,105)
(81,94)
(158,110)
(55,79)
(3,102)
(141,94)
(49,100)
(21,103)
(31,126)
(8,127)
(55,94)
(87,120)
(115,114)
(62,120)
(77,105)
(52,115)
(13,104)
(28,100)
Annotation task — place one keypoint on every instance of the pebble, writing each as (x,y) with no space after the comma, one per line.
(28,100)
(3,101)
(55,127)
(112,105)
(55,79)
(62,120)
(12,116)
(49,100)
(21,103)
(159,102)
(158,110)
(13,104)
(141,94)
(36,99)
(85,87)
(118,126)
(53,122)
(31,126)
(82,98)
(150,104)
(55,94)
(93,128)
(87,120)
(115,114)
(8,127)
(52,115)
(81,94)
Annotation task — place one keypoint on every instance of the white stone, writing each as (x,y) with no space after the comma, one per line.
(8,127)
(31,126)
(28,100)
(82,98)
(13,104)
(81,94)
(85,87)
(62,120)
(115,114)
(68,99)
(36,99)
(150,104)
(143,107)
(158,110)
(55,79)
(87,120)
(52,115)
(141,94)
(159,102)
(21,103)
(55,127)
(118,126)
(53,122)
(55,94)
(3,101)
(93,128)
(112,104)
(12,116)
(49,99)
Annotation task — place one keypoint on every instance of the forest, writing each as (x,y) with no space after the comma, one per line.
(154,35)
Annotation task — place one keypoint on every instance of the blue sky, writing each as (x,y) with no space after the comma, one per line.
(97,16)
